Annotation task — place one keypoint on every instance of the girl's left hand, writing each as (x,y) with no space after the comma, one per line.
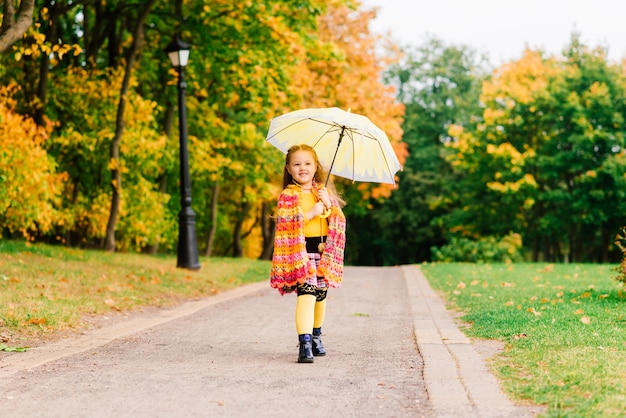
(323,195)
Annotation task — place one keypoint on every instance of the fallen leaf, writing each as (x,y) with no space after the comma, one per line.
(585,320)
(507,284)
(533,311)
(37,321)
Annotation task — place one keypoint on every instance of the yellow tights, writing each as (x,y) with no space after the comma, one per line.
(309,314)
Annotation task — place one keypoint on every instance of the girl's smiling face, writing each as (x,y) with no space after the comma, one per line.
(302,167)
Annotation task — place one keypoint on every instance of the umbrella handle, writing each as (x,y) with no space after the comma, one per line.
(326,213)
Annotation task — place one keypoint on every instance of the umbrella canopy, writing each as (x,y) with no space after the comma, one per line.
(348,145)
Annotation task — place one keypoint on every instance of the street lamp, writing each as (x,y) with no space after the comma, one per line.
(178,52)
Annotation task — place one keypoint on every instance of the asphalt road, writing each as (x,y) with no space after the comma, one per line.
(235,355)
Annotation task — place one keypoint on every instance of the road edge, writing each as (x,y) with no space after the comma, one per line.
(457,379)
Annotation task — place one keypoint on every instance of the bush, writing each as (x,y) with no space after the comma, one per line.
(484,250)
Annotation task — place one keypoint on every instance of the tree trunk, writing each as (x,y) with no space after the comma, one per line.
(167,123)
(213,230)
(268,228)
(44,67)
(237,230)
(535,251)
(604,244)
(119,129)
(13,27)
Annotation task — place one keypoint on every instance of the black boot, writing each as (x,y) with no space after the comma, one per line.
(318,347)
(306,354)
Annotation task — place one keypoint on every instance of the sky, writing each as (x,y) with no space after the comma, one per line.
(503,28)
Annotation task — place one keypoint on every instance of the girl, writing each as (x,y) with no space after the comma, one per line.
(309,244)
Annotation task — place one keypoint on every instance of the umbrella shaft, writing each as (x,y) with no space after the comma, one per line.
(343,129)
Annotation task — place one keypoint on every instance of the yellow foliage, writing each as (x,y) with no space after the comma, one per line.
(520,81)
(514,186)
(37,46)
(30,188)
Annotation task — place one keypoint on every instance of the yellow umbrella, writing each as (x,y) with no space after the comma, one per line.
(348,144)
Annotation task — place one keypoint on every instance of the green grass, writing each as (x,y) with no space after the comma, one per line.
(46,289)
(564,327)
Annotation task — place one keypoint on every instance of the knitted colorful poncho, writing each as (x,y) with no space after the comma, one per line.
(290,263)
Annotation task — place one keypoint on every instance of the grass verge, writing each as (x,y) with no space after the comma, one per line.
(46,289)
(564,326)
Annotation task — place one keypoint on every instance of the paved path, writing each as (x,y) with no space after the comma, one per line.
(393,351)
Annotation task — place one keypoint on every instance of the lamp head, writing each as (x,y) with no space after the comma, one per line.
(178,51)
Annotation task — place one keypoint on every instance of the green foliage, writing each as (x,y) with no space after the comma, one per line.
(87,103)
(562,326)
(485,250)
(440,85)
(547,156)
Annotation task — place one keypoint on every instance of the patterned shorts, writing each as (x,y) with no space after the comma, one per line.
(315,281)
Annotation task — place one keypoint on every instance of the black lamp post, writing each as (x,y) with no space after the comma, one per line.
(178,52)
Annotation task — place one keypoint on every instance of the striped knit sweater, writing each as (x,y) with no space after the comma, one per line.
(290,263)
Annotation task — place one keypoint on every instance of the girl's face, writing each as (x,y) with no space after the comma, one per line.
(302,167)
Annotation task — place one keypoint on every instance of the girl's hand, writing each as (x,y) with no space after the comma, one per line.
(323,195)
(316,210)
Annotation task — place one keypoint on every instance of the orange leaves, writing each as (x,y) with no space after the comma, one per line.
(37,321)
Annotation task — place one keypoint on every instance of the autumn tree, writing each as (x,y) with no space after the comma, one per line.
(110,101)
(30,188)
(439,84)
(347,73)
(546,160)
